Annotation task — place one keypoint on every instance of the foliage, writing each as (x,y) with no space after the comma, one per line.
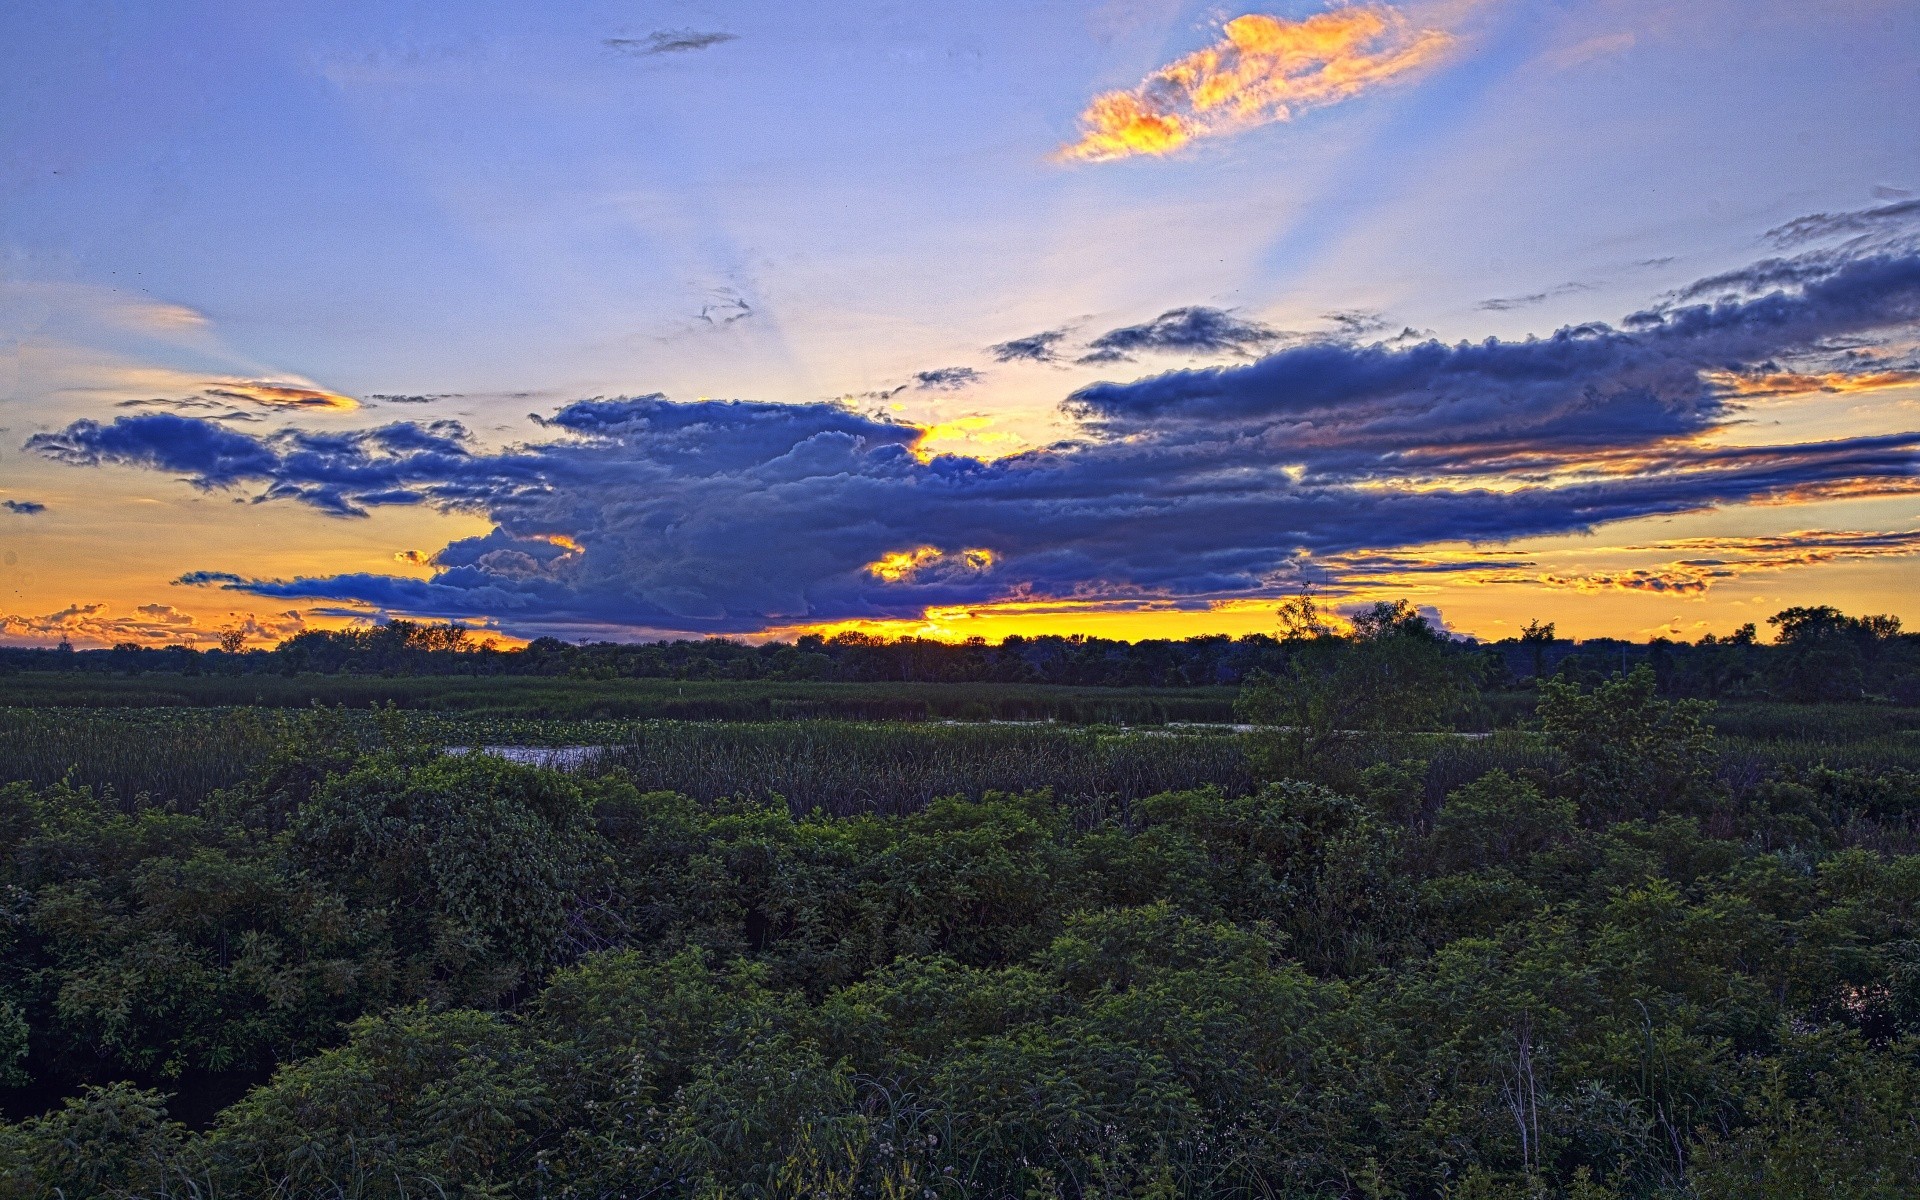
(1601,960)
(1395,673)
(1629,753)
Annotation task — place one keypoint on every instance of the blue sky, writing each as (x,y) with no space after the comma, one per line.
(510,208)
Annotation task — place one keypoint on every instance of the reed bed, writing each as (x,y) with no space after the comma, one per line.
(841,768)
(177,756)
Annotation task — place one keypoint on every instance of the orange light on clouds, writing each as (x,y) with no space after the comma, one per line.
(1264,69)
(971,436)
(900,565)
(273,394)
(1790,383)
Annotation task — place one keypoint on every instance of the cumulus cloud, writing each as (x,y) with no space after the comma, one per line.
(669,41)
(1036,347)
(24,508)
(1184,487)
(1263,69)
(1193,330)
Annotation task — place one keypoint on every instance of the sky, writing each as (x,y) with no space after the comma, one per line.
(1129,318)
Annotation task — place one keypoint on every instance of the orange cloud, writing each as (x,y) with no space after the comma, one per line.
(1790,383)
(904,564)
(970,436)
(1711,561)
(280,395)
(1264,69)
(148,625)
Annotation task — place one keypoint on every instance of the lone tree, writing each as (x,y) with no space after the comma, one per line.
(1538,637)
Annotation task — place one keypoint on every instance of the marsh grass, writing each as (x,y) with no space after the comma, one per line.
(177,756)
(630,699)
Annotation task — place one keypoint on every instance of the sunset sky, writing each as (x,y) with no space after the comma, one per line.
(637,320)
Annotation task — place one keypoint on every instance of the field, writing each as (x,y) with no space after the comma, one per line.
(628,699)
(177,755)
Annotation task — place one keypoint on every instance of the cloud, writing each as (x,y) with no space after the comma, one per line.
(412,398)
(1264,69)
(1186,487)
(1530,404)
(668,41)
(1509,303)
(1802,230)
(1355,322)
(1710,561)
(94,624)
(725,309)
(1763,383)
(24,508)
(1600,46)
(1036,347)
(947,379)
(1194,330)
(275,394)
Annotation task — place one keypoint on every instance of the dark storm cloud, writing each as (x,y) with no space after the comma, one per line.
(669,41)
(1192,330)
(1037,347)
(1340,406)
(642,513)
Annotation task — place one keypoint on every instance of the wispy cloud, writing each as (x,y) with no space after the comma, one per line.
(271,393)
(1193,330)
(1035,347)
(148,625)
(1509,303)
(1708,562)
(1811,228)
(23,508)
(1264,69)
(1763,384)
(669,41)
(946,379)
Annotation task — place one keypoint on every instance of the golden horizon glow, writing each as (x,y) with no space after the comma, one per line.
(1263,69)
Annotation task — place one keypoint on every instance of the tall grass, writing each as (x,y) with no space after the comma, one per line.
(172,757)
(843,768)
(178,755)
(631,699)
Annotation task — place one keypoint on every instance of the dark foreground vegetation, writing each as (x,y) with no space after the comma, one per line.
(1638,948)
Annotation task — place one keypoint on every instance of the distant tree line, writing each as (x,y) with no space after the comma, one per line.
(1816,654)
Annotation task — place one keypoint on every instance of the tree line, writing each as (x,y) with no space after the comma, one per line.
(1816,654)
